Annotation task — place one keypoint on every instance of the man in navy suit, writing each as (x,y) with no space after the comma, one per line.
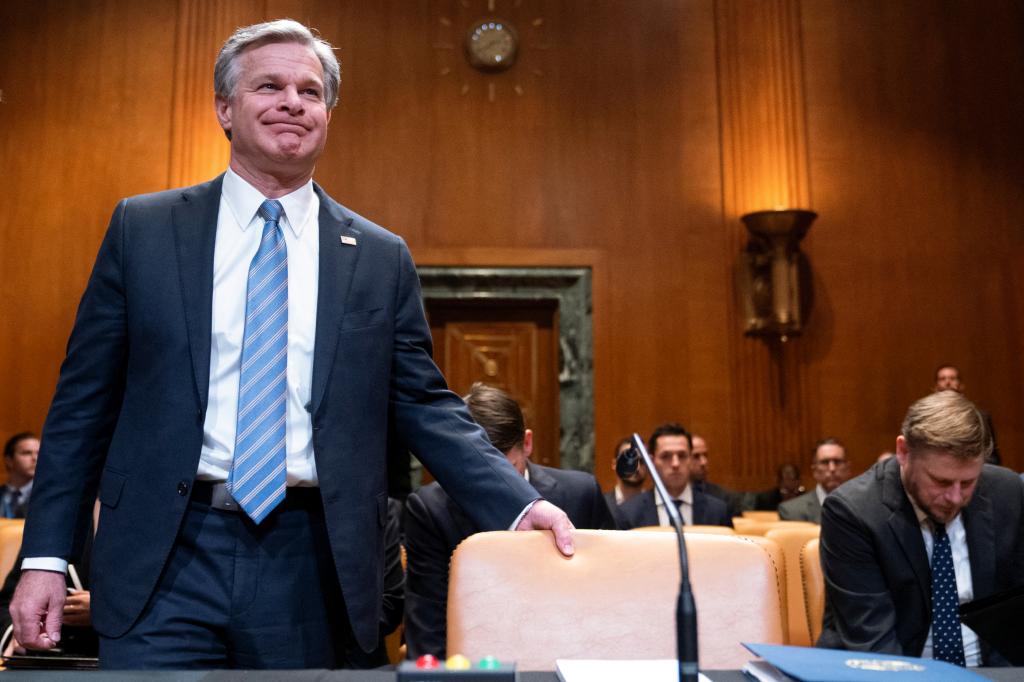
(670,446)
(435,524)
(169,407)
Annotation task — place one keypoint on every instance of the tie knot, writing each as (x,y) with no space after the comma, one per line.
(938,530)
(271,210)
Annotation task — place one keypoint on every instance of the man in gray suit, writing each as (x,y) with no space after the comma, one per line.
(830,469)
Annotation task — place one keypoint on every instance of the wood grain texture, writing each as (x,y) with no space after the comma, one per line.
(630,136)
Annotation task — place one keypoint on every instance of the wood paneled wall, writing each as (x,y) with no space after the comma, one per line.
(634,133)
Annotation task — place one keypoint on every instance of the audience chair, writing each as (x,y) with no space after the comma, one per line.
(761,515)
(778,558)
(514,596)
(745,526)
(698,528)
(10,545)
(814,587)
(792,541)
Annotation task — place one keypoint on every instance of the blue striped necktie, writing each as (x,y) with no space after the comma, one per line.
(258,470)
(947,639)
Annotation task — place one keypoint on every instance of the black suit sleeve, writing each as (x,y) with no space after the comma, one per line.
(860,614)
(601,516)
(426,588)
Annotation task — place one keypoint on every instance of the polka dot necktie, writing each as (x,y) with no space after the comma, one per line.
(947,639)
(258,470)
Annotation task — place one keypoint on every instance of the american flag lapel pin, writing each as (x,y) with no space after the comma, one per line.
(348,241)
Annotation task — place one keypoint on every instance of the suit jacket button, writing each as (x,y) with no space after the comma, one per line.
(183,488)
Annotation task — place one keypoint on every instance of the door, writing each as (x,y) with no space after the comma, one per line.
(511,345)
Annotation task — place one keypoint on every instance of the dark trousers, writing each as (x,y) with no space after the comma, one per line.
(238,595)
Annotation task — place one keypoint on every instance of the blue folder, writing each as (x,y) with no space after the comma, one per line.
(809,664)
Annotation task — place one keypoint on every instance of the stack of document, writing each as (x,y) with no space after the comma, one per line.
(808,664)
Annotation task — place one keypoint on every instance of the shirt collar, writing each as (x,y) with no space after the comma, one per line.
(923,520)
(244,200)
(686,497)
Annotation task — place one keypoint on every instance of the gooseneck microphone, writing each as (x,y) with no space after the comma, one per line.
(686,609)
(627,462)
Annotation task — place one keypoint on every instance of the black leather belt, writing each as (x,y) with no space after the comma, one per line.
(215,494)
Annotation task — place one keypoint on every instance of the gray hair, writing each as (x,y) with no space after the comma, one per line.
(226,69)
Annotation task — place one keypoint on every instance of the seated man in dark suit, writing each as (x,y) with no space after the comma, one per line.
(20,454)
(434,524)
(670,447)
(699,477)
(933,526)
(787,487)
(830,469)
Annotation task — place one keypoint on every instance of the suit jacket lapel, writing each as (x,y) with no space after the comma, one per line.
(650,517)
(194,220)
(981,542)
(337,266)
(903,524)
(699,510)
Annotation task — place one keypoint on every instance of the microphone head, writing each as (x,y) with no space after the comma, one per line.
(627,462)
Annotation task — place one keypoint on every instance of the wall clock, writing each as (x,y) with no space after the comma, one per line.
(491,45)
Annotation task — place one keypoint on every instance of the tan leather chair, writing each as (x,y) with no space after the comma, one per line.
(761,515)
(393,643)
(697,528)
(512,595)
(10,545)
(778,558)
(792,540)
(745,526)
(814,587)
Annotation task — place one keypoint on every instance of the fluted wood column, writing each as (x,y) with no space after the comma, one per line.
(199,149)
(775,389)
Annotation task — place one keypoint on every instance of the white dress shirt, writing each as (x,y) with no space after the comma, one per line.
(820,492)
(685,509)
(964,583)
(239,230)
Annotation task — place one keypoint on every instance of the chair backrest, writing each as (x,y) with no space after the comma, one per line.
(10,545)
(697,528)
(814,587)
(761,515)
(778,557)
(745,526)
(792,540)
(513,596)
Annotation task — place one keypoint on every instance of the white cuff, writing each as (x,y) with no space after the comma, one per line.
(526,510)
(44,563)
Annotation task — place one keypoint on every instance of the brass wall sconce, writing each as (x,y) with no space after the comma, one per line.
(773,275)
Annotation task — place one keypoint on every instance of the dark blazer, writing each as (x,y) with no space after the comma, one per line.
(642,511)
(803,508)
(877,576)
(733,500)
(127,417)
(434,526)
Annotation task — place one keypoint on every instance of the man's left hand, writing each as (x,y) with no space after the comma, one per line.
(545,516)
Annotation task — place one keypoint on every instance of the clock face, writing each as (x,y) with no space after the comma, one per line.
(491,45)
